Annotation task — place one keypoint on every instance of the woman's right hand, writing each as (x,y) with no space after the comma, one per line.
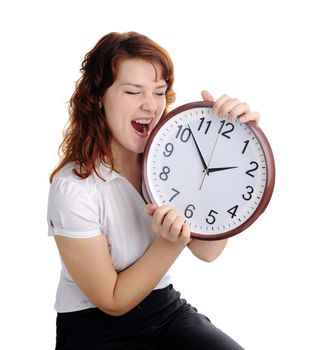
(168,223)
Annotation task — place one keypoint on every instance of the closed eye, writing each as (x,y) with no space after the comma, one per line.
(131,93)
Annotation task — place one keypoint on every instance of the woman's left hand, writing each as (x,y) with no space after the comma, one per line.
(232,107)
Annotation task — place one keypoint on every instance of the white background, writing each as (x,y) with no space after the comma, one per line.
(270,288)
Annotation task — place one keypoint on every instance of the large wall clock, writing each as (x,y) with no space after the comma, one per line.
(219,174)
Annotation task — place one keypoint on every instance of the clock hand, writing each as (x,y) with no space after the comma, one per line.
(211,170)
(216,141)
(199,152)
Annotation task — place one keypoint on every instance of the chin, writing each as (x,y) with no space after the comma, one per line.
(139,149)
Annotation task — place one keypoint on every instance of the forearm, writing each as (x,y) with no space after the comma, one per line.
(207,250)
(137,282)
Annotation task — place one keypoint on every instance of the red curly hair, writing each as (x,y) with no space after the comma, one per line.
(87,136)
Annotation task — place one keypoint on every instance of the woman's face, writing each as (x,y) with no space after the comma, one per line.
(134,103)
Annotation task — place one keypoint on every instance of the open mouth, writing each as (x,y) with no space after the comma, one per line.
(141,126)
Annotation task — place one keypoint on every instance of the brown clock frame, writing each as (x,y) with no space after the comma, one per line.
(270,166)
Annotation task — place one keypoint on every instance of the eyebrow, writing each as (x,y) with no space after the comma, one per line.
(141,86)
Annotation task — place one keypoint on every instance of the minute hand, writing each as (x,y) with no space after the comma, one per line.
(212,170)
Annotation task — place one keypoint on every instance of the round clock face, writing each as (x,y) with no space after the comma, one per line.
(219,174)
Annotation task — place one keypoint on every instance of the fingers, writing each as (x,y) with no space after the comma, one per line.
(185,233)
(252,116)
(150,209)
(228,107)
(207,96)
(218,104)
(169,224)
(234,108)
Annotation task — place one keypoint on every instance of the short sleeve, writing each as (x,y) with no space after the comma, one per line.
(73,208)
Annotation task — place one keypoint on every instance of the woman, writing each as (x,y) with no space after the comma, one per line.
(114,290)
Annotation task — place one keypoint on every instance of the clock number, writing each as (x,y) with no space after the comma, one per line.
(185,134)
(168,149)
(212,220)
(245,146)
(254,168)
(164,175)
(232,211)
(248,196)
(202,122)
(176,193)
(188,213)
(229,130)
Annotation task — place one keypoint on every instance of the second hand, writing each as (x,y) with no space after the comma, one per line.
(216,141)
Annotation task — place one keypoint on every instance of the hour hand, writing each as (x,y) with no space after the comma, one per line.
(212,170)
(199,152)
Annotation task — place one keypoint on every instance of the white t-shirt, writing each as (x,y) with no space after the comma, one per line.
(82,208)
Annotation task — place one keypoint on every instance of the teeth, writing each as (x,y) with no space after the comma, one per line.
(143,121)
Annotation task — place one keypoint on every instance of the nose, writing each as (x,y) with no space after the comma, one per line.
(149,105)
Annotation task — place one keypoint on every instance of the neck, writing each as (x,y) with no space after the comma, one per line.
(129,166)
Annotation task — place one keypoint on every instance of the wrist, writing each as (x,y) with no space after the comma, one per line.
(177,245)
